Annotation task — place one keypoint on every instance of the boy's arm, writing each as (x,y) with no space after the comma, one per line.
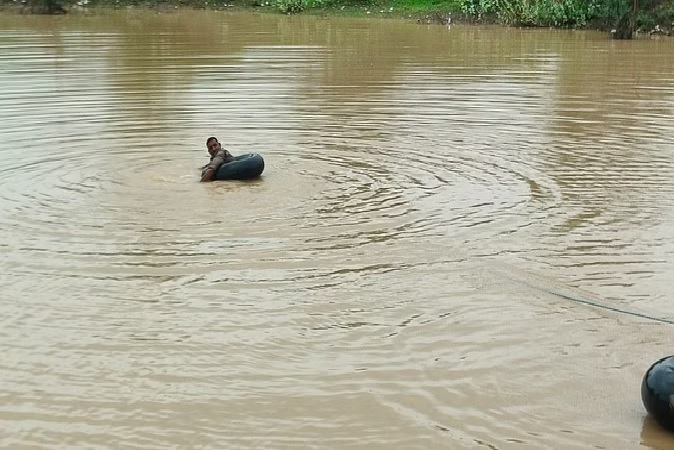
(223,156)
(207,174)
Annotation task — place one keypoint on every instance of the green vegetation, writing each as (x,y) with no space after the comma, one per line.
(603,14)
(560,13)
(389,7)
(630,15)
(622,16)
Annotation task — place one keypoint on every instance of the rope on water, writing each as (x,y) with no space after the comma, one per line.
(609,308)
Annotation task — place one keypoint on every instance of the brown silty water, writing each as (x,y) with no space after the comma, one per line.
(462,238)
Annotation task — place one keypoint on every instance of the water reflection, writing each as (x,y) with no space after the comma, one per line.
(654,436)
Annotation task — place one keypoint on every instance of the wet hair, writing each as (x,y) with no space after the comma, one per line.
(212,138)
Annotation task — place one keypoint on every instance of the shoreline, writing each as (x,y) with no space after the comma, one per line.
(385,10)
(437,14)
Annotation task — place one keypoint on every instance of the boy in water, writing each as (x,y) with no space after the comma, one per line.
(219,156)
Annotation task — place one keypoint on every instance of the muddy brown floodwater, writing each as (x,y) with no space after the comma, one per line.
(463,237)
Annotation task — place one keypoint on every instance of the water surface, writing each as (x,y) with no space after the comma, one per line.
(462,238)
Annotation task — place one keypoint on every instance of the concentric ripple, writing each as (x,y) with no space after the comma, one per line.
(456,229)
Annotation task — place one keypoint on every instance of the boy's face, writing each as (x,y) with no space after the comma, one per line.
(213,147)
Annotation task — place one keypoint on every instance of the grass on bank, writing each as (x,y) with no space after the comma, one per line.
(399,7)
(653,15)
(433,11)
